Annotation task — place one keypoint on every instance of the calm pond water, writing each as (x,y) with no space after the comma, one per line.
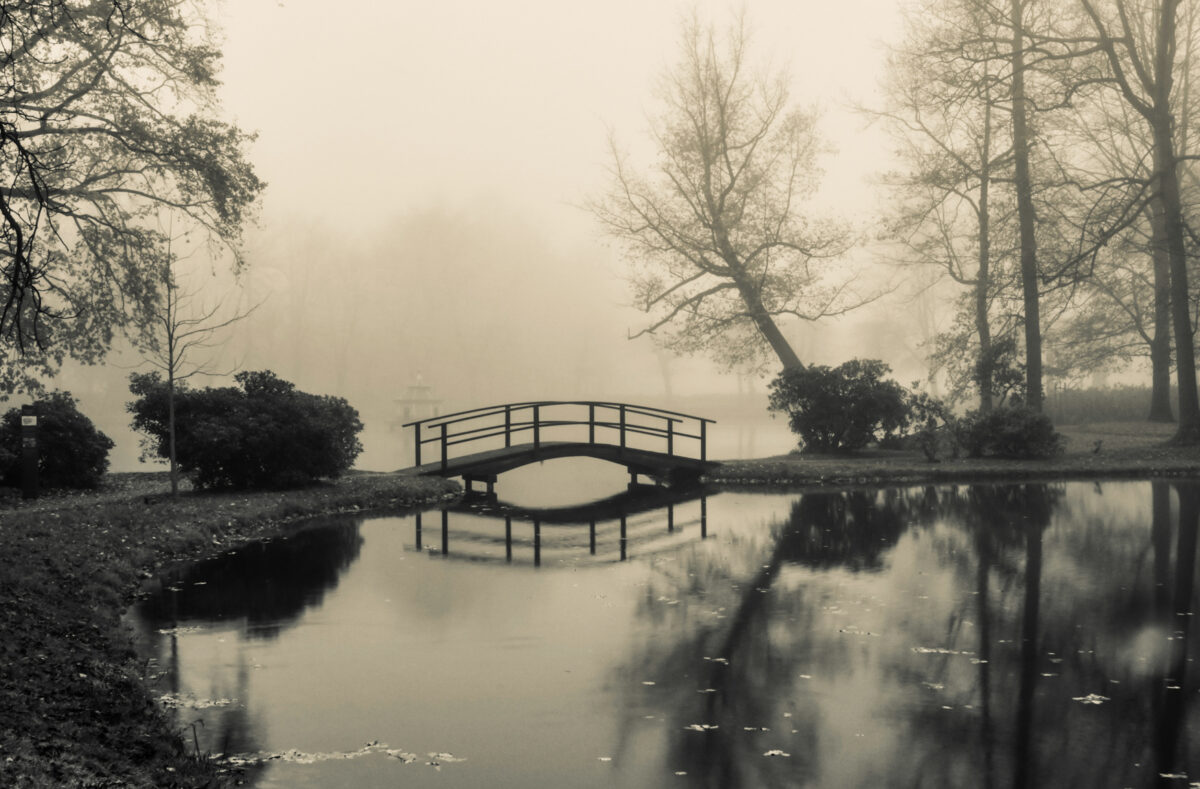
(958,636)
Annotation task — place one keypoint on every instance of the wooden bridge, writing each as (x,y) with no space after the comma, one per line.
(665,445)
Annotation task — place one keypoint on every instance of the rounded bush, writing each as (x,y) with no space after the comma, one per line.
(265,434)
(840,409)
(72,453)
(1009,432)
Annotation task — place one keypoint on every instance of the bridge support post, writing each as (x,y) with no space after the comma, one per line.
(418,531)
(445,532)
(487,479)
(592,538)
(623,539)
(670,517)
(537,543)
(508,538)
(703,517)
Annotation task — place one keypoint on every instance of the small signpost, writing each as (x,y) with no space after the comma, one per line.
(29,452)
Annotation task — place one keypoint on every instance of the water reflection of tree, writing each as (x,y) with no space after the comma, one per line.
(1040,617)
(266,584)
(728,672)
(851,530)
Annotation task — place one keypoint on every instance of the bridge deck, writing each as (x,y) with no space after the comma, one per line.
(496,461)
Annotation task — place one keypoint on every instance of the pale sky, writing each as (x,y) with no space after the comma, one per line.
(366,109)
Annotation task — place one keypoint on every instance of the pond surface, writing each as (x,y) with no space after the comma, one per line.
(987,635)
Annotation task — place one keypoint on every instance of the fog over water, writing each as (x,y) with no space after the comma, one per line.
(427,165)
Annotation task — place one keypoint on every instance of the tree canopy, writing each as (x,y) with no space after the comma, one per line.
(107,120)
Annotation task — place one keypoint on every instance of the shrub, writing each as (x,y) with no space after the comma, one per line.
(931,421)
(1008,432)
(265,434)
(840,409)
(72,453)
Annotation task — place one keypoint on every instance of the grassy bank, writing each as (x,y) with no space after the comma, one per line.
(1110,450)
(74,711)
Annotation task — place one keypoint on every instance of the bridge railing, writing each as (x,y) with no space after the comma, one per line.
(603,419)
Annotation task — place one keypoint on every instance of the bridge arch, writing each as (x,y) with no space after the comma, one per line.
(646,440)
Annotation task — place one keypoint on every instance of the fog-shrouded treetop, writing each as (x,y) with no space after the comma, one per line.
(107,122)
(722,243)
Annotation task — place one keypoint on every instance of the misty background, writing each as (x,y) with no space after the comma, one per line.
(427,167)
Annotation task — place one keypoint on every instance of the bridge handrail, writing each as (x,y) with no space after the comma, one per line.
(461,436)
(492,410)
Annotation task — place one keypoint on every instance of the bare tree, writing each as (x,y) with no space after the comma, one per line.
(1139,42)
(944,110)
(176,339)
(721,249)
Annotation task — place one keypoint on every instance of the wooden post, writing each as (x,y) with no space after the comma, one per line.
(670,436)
(418,531)
(622,409)
(417,442)
(508,538)
(703,440)
(592,537)
(29,452)
(622,538)
(670,517)
(537,543)
(508,425)
(445,447)
(591,423)
(537,427)
(445,532)
(703,517)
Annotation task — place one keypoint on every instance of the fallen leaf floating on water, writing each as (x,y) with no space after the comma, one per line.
(938,651)
(176,700)
(604,758)
(701,727)
(294,756)
(1091,698)
(776,752)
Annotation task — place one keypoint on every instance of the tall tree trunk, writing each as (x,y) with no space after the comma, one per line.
(983,277)
(1160,345)
(1025,214)
(765,323)
(1166,163)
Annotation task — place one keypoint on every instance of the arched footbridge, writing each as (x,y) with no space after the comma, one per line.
(481,443)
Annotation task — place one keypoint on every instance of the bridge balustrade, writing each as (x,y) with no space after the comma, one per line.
(621,421)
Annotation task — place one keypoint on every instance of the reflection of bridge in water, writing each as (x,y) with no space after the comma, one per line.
(647,441)
(646,519)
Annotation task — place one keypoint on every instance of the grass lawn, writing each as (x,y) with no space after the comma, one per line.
(1115,449)
(74,708)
